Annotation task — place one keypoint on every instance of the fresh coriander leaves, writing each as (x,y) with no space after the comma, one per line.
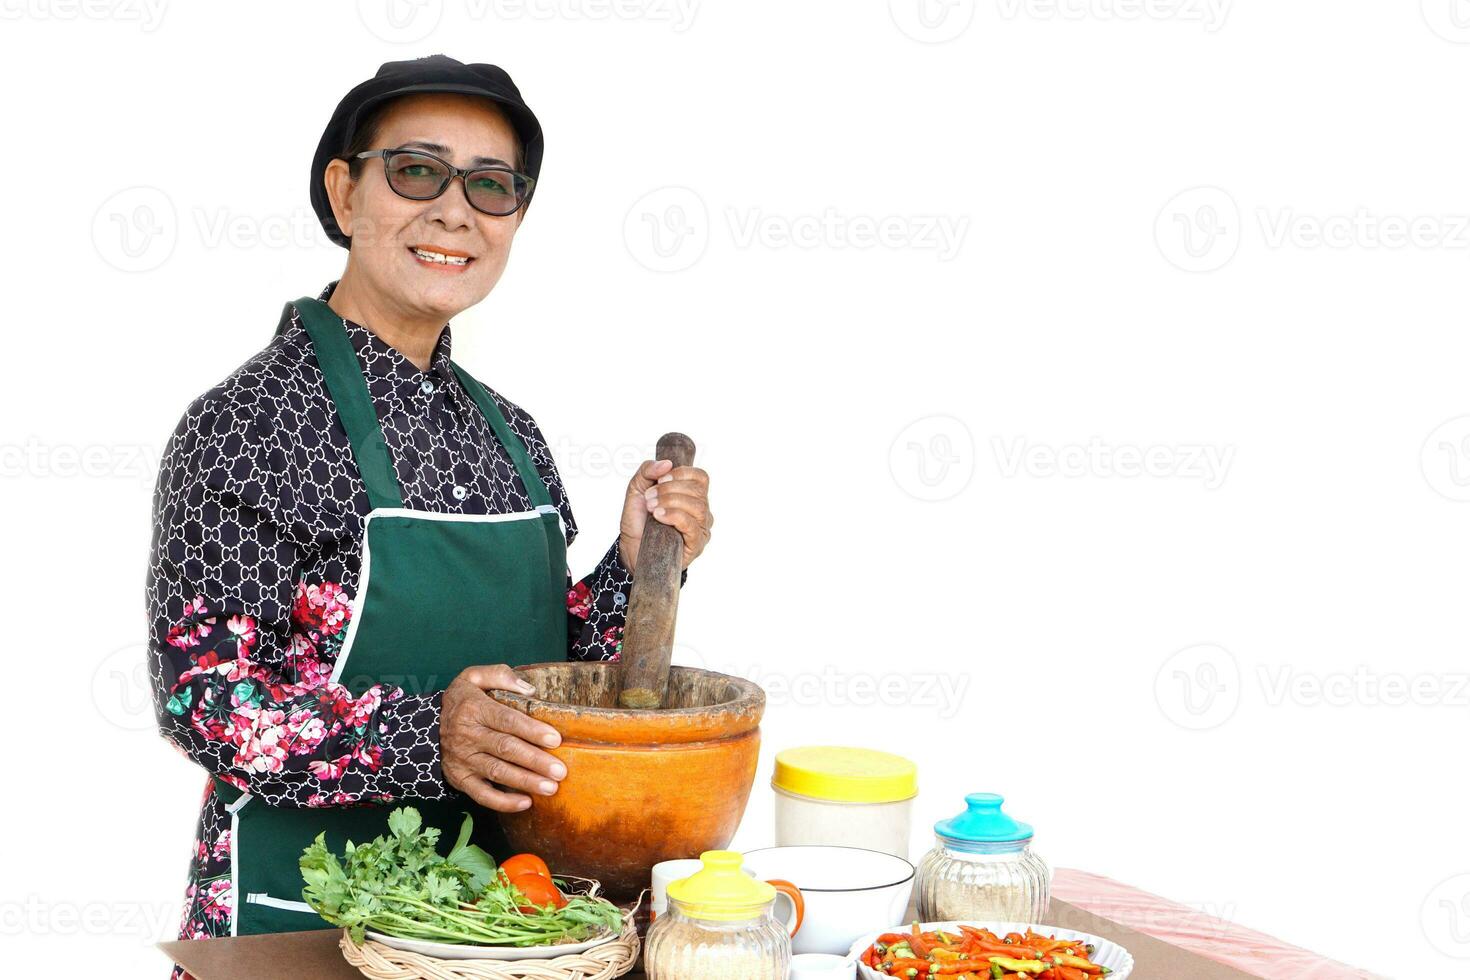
(398,884)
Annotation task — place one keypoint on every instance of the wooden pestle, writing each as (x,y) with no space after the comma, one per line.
(648,634)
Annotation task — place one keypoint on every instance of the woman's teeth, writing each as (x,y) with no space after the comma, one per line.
(440,258)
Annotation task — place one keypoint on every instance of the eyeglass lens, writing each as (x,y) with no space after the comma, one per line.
(420,177)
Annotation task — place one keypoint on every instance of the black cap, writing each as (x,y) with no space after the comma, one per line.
(436,73)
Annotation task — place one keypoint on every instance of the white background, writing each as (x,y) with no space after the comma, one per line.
(1228,240)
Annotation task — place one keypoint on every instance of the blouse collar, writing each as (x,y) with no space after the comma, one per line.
(379,359)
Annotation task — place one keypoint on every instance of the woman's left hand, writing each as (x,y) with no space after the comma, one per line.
(669,495)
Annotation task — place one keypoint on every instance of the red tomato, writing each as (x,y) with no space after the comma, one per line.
(538,890)
(522,863)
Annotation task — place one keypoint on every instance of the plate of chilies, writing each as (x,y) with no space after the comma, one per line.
(989,951)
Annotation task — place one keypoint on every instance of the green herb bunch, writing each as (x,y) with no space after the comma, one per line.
(400,886)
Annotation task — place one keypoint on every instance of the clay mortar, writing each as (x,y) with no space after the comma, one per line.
(642,785)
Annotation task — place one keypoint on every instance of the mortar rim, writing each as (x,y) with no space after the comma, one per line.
(741,714)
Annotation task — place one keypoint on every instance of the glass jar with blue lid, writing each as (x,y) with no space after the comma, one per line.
(982,868)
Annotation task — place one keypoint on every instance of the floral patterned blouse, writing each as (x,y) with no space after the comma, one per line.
(258,515)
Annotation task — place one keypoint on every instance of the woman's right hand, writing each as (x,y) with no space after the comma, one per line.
(488,749)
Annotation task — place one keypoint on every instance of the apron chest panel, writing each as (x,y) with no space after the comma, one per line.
(438,593)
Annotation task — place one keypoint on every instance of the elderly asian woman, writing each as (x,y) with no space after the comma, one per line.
(355,539)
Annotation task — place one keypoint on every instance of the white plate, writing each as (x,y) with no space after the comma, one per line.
(1107,952)
(461,951)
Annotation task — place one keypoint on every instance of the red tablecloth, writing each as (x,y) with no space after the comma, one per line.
(1179,925)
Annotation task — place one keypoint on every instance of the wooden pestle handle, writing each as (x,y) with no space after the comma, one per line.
(648,633)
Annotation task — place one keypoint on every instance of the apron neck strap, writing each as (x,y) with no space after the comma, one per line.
(535,488)
(349,391)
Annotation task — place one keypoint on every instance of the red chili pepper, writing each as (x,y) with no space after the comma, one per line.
(1070,973)
(916,942)
(923,966)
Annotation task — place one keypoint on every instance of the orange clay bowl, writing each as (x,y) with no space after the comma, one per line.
(642,786)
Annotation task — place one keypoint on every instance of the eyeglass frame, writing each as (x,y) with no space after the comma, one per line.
(454,172)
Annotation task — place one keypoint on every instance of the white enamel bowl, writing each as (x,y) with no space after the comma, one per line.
(846,890)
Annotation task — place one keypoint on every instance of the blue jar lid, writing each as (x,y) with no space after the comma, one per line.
(984,822)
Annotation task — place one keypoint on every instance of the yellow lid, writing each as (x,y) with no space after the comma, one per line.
(846,775)
(720,890)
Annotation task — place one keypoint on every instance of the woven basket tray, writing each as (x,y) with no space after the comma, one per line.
(611,959)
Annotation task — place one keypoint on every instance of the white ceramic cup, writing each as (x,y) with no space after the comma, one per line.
(822,966)
(664,872)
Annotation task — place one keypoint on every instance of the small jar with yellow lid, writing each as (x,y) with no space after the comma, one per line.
(848,797)
(720,926)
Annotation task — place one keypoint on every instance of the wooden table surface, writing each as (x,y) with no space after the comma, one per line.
(315,956)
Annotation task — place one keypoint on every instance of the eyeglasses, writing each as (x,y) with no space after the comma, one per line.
(421,176)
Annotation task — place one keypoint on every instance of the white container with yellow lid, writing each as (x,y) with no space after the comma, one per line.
(851,797)
(721,925)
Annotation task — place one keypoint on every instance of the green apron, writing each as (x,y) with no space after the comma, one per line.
(437,593)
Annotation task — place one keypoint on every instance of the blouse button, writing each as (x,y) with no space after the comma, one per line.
(459,492)
(427,387)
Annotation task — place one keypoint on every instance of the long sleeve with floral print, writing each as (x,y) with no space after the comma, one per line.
(258,519)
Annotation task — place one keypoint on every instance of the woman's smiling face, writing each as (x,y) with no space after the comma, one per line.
(390,231)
